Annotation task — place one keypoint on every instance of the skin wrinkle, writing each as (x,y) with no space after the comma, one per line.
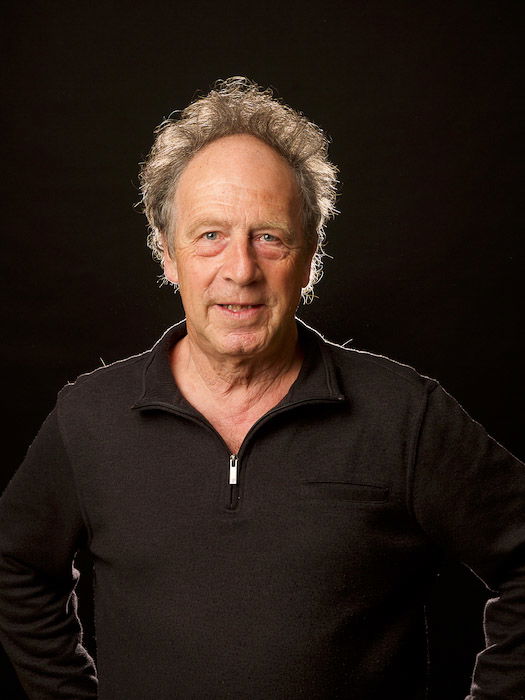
(237,106)
(238,241)
(227,385)
(169,238)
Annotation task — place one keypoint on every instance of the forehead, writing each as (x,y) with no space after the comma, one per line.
(237,169)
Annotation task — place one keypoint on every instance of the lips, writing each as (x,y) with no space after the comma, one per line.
(239,307)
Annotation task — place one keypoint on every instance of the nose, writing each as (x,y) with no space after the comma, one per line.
(239,262)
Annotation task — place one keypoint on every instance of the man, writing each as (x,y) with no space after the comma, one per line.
(265,510)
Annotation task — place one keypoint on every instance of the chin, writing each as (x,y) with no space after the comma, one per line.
(242,344)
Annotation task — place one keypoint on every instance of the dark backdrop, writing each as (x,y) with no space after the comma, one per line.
(422,102)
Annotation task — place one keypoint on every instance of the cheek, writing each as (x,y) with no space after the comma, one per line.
(197,275)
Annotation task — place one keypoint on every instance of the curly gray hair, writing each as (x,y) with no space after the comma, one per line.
(239,106)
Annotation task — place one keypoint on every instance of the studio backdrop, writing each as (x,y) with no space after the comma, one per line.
(424,263)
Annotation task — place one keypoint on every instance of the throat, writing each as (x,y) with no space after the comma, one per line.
(231,398)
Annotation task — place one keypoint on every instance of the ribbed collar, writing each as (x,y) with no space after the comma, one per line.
(317,379)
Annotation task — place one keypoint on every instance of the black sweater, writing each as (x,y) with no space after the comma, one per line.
(305,579)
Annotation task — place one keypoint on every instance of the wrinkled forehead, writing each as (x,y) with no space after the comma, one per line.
(238,171)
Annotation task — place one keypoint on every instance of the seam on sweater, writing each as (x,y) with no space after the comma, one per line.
(412,453)
(81,506)
(328,370)
(147,365)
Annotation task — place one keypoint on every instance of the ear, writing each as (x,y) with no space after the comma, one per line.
(169,265)
(308,267)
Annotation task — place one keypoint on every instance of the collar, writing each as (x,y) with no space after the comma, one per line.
(317,379)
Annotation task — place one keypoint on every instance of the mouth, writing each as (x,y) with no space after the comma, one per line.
(237,308)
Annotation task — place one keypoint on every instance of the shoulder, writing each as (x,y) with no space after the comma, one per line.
(373,376)
(370,366)
(118,379)
(365,362)
(118,383)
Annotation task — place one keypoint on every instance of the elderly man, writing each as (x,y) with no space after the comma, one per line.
(265,510)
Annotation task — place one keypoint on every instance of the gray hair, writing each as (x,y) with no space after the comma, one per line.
(239,106)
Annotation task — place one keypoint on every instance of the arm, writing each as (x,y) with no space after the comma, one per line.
(41,528)
(469,497)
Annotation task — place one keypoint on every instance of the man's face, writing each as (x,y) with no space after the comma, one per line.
(239,252)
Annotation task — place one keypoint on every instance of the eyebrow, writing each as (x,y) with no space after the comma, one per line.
(273,224)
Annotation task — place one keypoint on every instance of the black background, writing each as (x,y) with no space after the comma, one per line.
(422,101)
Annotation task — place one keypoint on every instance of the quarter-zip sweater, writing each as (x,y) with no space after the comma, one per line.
(297,568)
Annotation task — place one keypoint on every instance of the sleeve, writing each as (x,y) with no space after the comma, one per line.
(41,528)
(469,497)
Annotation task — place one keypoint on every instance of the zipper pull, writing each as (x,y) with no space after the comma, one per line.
(234,463)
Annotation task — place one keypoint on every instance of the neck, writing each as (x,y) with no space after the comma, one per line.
(238,379)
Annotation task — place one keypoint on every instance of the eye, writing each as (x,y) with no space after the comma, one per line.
(268,238)
(210,236)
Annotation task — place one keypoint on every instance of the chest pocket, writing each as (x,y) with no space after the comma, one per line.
(335,490)
(338,469)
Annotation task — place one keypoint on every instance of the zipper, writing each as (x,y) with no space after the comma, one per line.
(233,463)
(233,480)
